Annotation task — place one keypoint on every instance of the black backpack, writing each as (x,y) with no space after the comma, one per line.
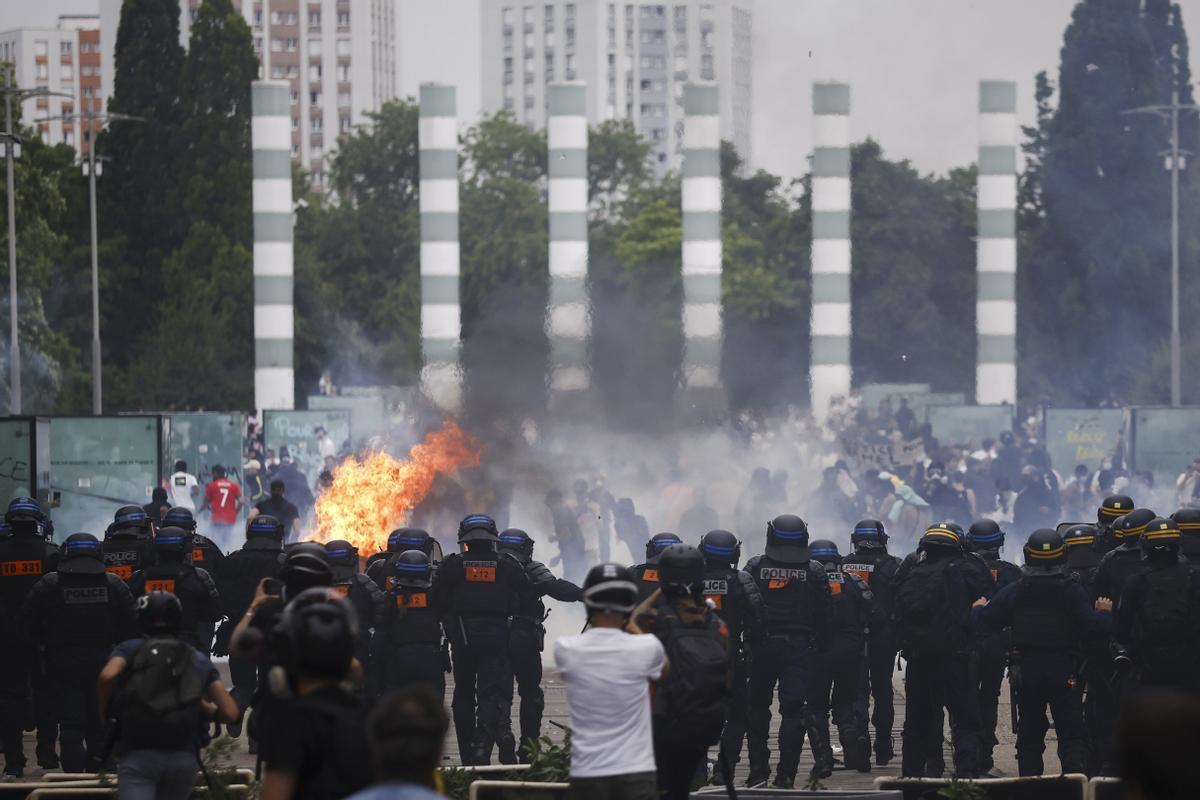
(345,766)
(1165,613)
(693,701)
(925,610)
(159,704)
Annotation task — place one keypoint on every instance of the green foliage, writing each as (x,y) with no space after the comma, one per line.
(962,790)
(220,768)
(549,762)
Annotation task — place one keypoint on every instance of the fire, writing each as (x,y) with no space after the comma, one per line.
(373,495)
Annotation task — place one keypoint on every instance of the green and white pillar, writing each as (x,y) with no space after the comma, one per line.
(702,254)
(569,316)
(996,245)
(441,319)
(274,317)
(829,323)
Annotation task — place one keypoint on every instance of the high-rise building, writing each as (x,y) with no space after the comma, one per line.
(339,57)
(634,56)
(64,60)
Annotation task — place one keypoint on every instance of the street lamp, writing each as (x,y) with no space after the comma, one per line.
(1174,158)
(12,150)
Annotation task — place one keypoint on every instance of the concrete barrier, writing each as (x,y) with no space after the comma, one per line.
(1045,787)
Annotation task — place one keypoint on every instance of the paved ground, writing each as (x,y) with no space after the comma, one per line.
(556,711)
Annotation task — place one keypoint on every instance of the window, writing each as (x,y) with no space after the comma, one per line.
(343,47)
(88,91)
(680,19)
(316,151)
(343,124)
(65,48)
(258,45)
(508,104)
(569,72)
(681,66)
(41,47)
(290,18)
(295,96)
(343,19)
(343,99)
(43,72)
(508,70)
(276,18)
(293,71)
(314,71)
(343,73)
(295,150)
(706,68)
(316,123)
(68,136)
(653,62)
(570,12)
(258,17)
(314,47)
(291,45)
(276,45)
(67,71)
(548,17)
(549,67)
(295,123)
(314,99)
(506,16)
(548,39)
(314,19)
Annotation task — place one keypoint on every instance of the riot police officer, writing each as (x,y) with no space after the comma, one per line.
(1051,618)
(1125,560)
(984,539)
(646,573)
(527,640)
(205,553)
(408,646)
(933,603)
(878,569)
(1188,520)
(1158,616)
(477,591)
(1111,509)
(399,541)
(128,542)
(736,598)
(76,614)
(26,554)
(799,625)
(192,586)
(841,670)
(237,577)
(1083,559)
(359,590)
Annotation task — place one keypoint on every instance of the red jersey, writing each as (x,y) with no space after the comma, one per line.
(222,495)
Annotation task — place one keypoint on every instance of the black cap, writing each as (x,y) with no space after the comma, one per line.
(304,566)
(721,547)
(319,630)
(681,565)
(81,555)
(159,613)
(610,587)
(413,569)
(787,539)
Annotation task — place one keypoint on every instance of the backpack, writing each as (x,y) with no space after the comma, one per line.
(1165,609)
(693,701)
(159,704)
(925,610)
(344,767)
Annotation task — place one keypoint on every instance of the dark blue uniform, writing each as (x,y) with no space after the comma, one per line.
(1157,625)
(1051,620)
(878,570)
(991,659)
(799,625)
(237,578)
(197,593)
(407,648)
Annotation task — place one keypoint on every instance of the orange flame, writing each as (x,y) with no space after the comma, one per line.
(371,496)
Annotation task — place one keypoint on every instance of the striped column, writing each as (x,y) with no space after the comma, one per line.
(996,245)
(274,318)
(569,319)
(701,205)
(829,324)
(441,377)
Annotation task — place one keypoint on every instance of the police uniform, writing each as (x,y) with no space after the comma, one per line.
(408,645)
(193,586)
(359,590)
(479,591)
(799,613)
(399,541)
(128,542)
(1051,620)
(527,641)
(645,575)
(871,562)
(76,614)
(26,556)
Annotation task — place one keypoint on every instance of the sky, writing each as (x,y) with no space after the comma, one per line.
(914,66)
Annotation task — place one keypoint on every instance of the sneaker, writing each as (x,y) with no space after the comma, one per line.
(756,780)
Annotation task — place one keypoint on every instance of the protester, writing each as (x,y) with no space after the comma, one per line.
(405,733)
(223,501)
(183,487)
(158,505)
(277,506)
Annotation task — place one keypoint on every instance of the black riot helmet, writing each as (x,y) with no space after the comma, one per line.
(787,539)
(316,635)
(172,541)
(611,588)
(343,559)
(26,518)
(159,614)
(403,539)
(1188,520)
(721,548)
(517,542)
(985,534)
(81,555)
(1081,534)
(478,531)
(681,565)
(657,544)
(1128,528)
(826,552)
(941,537)
(130,521)
(413,569)
(869,533)
(180,517)
(1113,508)
(264,526)
(1045,551)
(304,566)
(1161,539)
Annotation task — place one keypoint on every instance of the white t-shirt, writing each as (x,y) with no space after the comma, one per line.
(180,487)
(607,673)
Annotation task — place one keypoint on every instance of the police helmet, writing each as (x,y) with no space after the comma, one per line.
(825,551)
(1161,538)
(517,542)
(1081,534)
(1130,526)
(341,553)
(129,521)
(264,526)
(180,517)
(869,533)
(941,535)
(26,518)
(659,542)
(413,569)
(985,534)
(81,555)
(478,528)
(1045,550)
(681,565)
(317,633)
(1188,520)
(787,539)
(1113,508)
(403,539)
(159,613)
(721,547)
(611,588)
(304,566)
(172,540)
